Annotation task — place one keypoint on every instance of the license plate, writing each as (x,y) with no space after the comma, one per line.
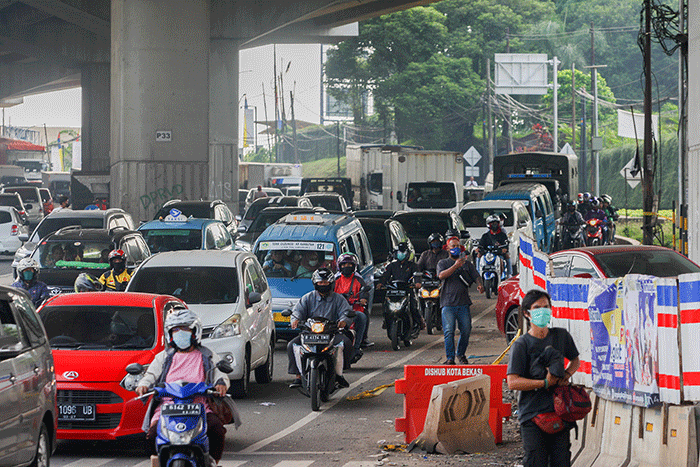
(281,319)
(316,338)
(396,293)
(181,409)
(84,412)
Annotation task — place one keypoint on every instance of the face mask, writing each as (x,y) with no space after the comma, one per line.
(118,267)
(323,289)
(540,317)
(401,255)
(313,262)
(455,252)
(347,271)
(28,275)
(182,339)
(435,245)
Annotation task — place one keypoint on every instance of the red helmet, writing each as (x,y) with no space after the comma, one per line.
(116,254)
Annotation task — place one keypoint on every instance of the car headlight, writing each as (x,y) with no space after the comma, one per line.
(184,437)
(230,327)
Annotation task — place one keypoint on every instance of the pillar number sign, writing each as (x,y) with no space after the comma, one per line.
(164,136)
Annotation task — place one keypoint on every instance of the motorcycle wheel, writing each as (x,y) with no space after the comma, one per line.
(394,335)
(314,390)
(487,287)
(180,463)
(429,317)
(326,388)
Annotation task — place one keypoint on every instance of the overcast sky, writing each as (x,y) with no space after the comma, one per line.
(62,108)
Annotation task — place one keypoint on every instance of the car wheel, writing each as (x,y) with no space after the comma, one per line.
(239,387)
(263,373)
(43,449)
(512,323)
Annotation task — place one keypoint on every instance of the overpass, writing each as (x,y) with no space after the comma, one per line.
(160,79)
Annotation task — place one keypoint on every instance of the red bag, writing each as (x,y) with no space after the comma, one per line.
(549,422)
(571,402)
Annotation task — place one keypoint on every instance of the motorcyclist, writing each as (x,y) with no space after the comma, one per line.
(348,283)
(117,277)
(495,236)
(321,302)
(186,359)
(611,213)
(87,283)
(429,258)
(584,204)
(597,213)
(27,279)
(573,217)
(402,269)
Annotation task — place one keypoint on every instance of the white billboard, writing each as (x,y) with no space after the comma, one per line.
(521,74)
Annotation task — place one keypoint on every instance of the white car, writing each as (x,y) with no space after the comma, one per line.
(269,191)
(11,227)
(228,290)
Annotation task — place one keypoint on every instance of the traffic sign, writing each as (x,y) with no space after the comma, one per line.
(472,156)
(626,172)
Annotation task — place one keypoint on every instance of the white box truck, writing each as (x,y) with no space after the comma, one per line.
(405,178)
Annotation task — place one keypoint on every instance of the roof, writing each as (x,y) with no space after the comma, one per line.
(333,224)
(74,232)
(85,212)
(106,299)
(601,250)
(490,203)
(20,145)
(422,213)
(190,224)
(194,258)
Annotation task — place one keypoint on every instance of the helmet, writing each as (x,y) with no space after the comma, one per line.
(87,283)
(586,195)
(27,263)
(607,199)
(580,197)
(451,233)
(116,254)
(347,258)
(594,202)
(323,274)
(571,204)
(491,219)
(436,237)
(184,317)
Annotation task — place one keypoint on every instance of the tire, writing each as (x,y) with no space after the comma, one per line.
(511,323)
(407,343)
(180,463)
(239,388)
(263,373)
(487,287)
(429,317)
(314,390)
(394,335)
(325,389)
(43,449)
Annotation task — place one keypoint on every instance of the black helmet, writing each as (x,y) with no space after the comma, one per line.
(436,237)
(87,283)
(322,274)
(571,204)
(452,233)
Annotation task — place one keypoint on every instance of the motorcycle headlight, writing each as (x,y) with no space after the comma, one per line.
(230,327)
(395,306)
(317,327)
(184,437)
(435,293)
(490,256)
(425,293)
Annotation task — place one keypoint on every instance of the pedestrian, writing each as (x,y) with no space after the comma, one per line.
(64,203)
(530,373)
(457,275)
(471,182)
(259,193)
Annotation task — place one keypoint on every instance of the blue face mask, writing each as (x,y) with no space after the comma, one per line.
(401,255)
(182,339)
(455,251)
(540,317)
(435,245)
(28,275)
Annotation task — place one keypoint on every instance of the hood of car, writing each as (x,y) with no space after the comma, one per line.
(214,314)
(78,366)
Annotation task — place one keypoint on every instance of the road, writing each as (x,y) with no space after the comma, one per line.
(279,429)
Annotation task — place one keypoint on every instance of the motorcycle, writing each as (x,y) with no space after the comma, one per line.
(430,300)
(594,232)
(572,236)
(492,268)
(400,325)
(181,439)
(318,375)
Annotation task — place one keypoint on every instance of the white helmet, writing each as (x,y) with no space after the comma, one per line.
(184,317)
(492,218)
(27,263)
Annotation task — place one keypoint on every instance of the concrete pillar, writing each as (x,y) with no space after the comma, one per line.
(223,122)
(94,134)
(159,103)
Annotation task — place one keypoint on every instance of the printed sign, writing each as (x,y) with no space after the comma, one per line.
(164,136)
(292,245)
(175,215)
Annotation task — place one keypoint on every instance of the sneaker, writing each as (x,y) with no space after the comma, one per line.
(449,361)
(296,383)
(365,344)
(358,355)
(463,360)
(341,382)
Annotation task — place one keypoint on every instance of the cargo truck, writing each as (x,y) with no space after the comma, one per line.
(252,174)
(405,178)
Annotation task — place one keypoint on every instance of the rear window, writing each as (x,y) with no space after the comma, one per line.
(198,211)
(51,224)
(419,227)
(5,217)
(160,240)
(29,195)
(657,263)
(99,327)
(9,201)
(430,195)
(329,203)
(477,217)
(71,254)
(194,285)
(376,234)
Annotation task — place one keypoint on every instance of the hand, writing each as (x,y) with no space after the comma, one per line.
(363,301)
(294,323)
(221,389)
(460,261)
(341,324)
(141,390)
(552,380)
(480,288)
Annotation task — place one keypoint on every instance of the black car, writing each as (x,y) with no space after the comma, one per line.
(63,255)
(263,220)
(421,223)
(215,209)
(380,213)
(267,202)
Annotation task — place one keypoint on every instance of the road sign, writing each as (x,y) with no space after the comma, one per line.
(567,149)
(632,180)
(471,171)
(472,156)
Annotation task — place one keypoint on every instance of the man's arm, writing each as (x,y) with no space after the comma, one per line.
(445,273)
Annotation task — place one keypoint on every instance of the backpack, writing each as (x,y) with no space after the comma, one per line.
(571,402)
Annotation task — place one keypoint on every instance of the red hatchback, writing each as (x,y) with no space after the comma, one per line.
(596,262)
(93,337)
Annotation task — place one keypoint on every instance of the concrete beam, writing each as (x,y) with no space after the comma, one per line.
(303,35)
(22,79)
(72,15)
(364,11)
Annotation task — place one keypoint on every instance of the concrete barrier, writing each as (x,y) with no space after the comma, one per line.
(458,418)
(664,436)
(592,434)
(578,439)
(617,436)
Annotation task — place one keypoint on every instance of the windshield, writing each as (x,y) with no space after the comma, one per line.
(71,254)
(265,220)
(330,203)
(430,195)
(295,259)
(477,217)
(657,263)
(99,327)
(29,194)
(160,240)
(52,223)
(194,285)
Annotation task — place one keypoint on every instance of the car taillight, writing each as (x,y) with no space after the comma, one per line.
(22,213)
(14,230)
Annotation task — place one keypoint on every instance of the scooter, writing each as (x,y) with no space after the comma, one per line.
(430,300)
(594,232)
(492,268)
(572,236)
(181,439)
(400,326)
(318,375)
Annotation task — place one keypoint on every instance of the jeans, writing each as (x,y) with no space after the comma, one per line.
(360,328)
(542,449)
(463,318)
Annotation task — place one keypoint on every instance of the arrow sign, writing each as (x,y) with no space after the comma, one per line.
(632,180)
(472,156)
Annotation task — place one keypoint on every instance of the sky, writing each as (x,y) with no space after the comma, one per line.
(63,108)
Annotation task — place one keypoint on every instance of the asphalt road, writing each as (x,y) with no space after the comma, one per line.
(279,429)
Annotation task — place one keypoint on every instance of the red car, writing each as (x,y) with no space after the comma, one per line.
(93,337)
(597,262)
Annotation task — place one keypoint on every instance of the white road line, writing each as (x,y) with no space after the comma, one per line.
(294,463)
(361,464)
(96,462)
(224,463)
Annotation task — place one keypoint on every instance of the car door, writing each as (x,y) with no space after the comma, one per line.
(583,267)
(252,316)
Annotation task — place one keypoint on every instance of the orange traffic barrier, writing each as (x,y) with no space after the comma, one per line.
(417,385)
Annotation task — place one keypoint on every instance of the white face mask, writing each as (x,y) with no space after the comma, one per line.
(182,339)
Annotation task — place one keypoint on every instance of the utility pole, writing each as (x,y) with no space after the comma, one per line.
(647,163)
(269,146)
(584,148)
(573,106)
(488,97)
(274,71)
(294,128)
(321,85)
(337,135)
(555,102)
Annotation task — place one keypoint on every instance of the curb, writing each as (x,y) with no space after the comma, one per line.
(619,240)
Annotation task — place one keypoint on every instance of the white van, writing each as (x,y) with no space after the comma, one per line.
(518,220)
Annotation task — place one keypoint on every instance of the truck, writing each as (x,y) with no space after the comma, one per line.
(279,175)
(339,185)
(405,178)
(58,183)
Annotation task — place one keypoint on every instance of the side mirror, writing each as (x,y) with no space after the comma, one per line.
(134,369)
(287,312)
(399,197)
(23,237)
(224,366)
(254,297)
(464,234)
(242,229)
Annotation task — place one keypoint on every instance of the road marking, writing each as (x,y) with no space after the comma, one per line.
(93,462)
(294,463)
(484,313)
(224,463)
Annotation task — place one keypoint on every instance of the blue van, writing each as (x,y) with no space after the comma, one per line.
(291,249)
(539,204)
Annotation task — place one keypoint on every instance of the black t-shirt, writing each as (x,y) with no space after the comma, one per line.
(525,350)
(489,239)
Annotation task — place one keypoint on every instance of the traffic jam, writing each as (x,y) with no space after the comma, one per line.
(157,328)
